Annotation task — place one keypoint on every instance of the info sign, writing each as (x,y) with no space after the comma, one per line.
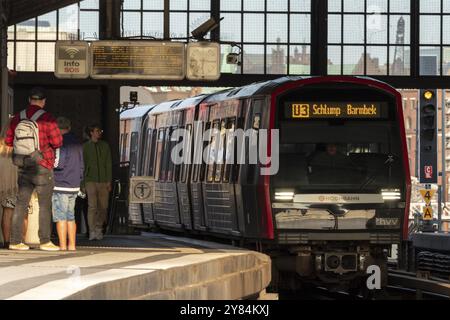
(72,59)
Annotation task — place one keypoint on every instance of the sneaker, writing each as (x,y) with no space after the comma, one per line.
(19,247)
(92,236)
(99,235)
(49,247)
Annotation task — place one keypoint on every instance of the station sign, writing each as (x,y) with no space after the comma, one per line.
(72,60)
(203,61)
(142,190)
(149,60)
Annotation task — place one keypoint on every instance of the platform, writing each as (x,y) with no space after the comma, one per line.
(149,266)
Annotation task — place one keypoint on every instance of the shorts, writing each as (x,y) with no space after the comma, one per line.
(9,202)
(63,207)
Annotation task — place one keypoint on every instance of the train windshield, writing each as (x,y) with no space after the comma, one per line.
(333,167)
(345,155)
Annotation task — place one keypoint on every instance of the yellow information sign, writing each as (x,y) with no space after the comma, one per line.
(427,213)
(427,195)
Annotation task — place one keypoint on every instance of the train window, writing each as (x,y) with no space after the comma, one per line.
(332,166)
(146,152)
(134,145)
(202,170)
(153,148)
(198,169)
(166,156)
(171,168)
(122,151)
(125,148)
(256,121)
(230,151)
(221,151)
(159,154)
(187,146)
(212,157)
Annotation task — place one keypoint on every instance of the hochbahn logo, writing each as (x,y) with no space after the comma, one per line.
(336,198)
(228,146)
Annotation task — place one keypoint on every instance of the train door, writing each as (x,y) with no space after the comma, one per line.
(219,192)
(198,170)
(248,194)
(135,213)
(123,143)
(148,163)
(182,172)
(166,209)
(134,147)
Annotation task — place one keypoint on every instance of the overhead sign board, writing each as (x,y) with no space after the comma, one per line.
(203,61)
(152,60)
(142,190)
(72,59)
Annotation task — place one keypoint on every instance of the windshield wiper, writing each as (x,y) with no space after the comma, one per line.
(389,161)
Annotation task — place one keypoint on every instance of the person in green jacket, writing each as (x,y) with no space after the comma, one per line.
(97,180)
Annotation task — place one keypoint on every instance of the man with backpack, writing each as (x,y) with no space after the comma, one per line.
(34,136)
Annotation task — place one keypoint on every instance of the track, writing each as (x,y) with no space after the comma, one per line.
(422,288)
(402,285)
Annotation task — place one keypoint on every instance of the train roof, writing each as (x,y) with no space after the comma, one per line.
(189,102)
(165,106)
(258,88)
(137,112)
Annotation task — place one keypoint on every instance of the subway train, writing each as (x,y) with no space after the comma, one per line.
(326,196)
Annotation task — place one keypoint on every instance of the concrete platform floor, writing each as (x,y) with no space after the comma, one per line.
(149,266)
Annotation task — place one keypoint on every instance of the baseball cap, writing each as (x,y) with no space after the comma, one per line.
(37,93)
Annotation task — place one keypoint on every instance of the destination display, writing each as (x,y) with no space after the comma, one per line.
(336,110)
(138,60)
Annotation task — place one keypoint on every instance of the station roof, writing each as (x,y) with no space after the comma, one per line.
(21,10)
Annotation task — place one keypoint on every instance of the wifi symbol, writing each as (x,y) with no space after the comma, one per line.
(72,52)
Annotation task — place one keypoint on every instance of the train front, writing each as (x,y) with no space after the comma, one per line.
(341,196)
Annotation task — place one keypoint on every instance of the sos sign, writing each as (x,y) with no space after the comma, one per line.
(72,60)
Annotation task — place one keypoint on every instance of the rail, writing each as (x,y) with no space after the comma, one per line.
(421,283)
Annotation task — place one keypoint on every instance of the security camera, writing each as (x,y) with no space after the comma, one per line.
(201,31)
(233,58)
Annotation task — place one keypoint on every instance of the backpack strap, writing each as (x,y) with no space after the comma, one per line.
(23,115)
(37,115)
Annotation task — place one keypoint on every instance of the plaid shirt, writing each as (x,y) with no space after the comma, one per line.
(50,137)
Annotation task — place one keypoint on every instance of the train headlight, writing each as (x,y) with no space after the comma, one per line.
(284,195)
(391,194)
